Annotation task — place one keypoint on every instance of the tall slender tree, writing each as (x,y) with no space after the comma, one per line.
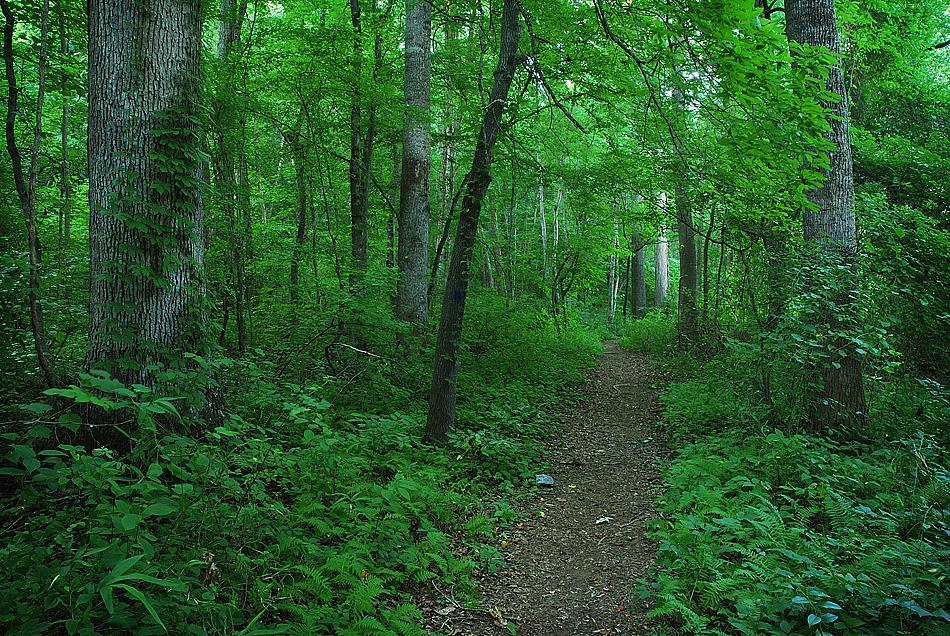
(638,282)
(413,249)
(26,184)
(230,161)
(442,393)
(661,256)
(359,205)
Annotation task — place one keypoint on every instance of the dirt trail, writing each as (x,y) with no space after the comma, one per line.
(572,571)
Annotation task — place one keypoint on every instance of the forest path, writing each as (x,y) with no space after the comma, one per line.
(572,571)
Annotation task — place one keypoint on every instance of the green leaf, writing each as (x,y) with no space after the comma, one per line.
(140,596)
(813,620)
(38,408)
(159,510)
(130,521)
(28,456)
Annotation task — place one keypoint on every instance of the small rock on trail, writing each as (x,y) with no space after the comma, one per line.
(575,557)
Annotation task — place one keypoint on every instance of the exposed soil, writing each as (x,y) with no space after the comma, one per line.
(575,557)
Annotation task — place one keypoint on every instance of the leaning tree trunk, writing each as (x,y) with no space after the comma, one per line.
(146,222)
(413,249)
(830,223)
(442,393)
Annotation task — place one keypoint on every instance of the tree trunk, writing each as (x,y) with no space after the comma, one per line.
(230,186)
(298,154)
(413,250)
(359,207)
(447,167)
(65,180)
(26,187)
(638,277)
(830,223)
(613,276)
(146,221)
(627,300)
(706,245)
(391,217)
(661,260)
(688,288)
(442,394)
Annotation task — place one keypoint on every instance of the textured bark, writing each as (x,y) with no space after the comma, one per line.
(830,223)
(26,187)
(146,220)
(413,250)
(442,393)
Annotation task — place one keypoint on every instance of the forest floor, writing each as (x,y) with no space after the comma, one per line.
(575,555)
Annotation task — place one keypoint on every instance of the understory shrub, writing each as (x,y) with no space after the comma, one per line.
(772,532)
(292,516)
(654,333)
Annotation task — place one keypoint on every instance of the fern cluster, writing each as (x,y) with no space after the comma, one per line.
(294,516)
(767,532)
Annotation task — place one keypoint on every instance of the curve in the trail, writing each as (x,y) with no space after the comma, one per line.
(574,560)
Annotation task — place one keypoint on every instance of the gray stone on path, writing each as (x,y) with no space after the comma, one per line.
(543,480)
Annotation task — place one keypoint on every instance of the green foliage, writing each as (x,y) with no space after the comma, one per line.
(763,532)
(292,516)
(654,333)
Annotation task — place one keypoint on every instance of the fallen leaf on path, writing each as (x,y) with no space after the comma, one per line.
(603,520)
(497,618)
(445,611)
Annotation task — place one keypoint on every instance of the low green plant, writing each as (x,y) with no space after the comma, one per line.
(293,515)
(655,333)
(765,531)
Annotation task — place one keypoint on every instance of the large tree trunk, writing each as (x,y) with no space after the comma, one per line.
(830,223)
(442,394)
(413,248)
(146,221)
(26,187)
